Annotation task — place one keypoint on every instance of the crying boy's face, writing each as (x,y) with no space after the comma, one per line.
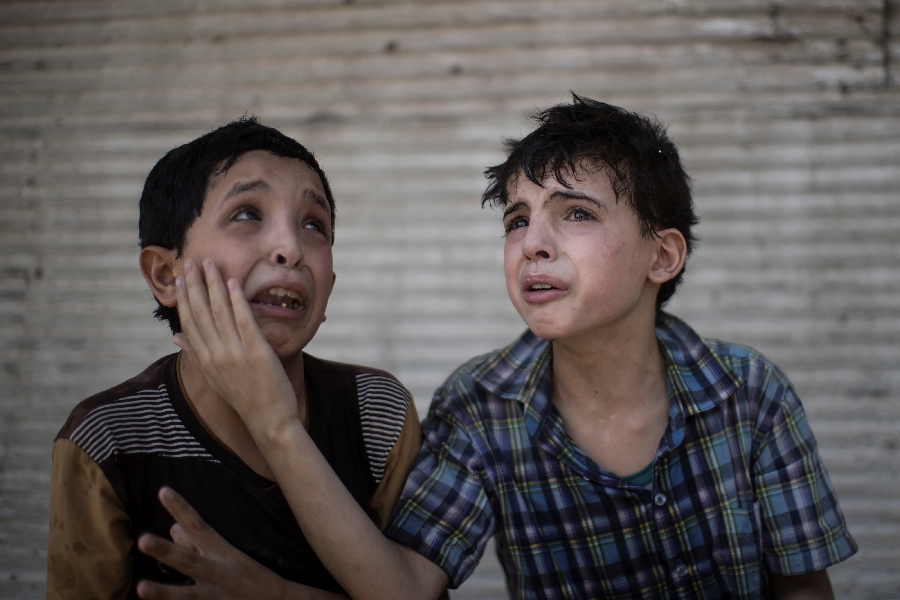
(575,260)
(266,223)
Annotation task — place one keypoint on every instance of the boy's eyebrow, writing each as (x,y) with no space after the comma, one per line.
(245,186)
(558,195)
(575,195)
(317,198)
(513,208)
(260,184)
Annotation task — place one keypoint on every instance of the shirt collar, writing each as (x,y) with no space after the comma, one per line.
(521,373)
(696,374)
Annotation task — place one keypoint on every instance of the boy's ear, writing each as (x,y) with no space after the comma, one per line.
(158,268)
(671,252)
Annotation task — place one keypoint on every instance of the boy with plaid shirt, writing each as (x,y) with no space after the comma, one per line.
(612,451)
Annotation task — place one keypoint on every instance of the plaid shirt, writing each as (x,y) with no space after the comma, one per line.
(738,487)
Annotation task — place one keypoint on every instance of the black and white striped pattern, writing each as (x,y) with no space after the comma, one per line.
(145,422)
(382,409)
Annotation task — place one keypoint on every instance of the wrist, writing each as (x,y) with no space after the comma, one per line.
(272,423)
(279,435)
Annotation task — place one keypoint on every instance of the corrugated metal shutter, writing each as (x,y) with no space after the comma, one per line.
(787,113)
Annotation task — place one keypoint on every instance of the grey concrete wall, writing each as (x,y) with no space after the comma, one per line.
(787,113)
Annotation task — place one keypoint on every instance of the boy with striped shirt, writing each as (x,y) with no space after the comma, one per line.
(252,204)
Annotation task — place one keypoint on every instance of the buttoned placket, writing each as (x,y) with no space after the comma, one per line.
(664,508)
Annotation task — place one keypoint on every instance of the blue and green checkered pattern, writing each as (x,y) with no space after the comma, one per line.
(738,487)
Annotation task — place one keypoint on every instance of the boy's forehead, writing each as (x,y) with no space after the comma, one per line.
(257,162)
(579,171)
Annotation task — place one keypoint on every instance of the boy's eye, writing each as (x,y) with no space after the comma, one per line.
(315,226)
(580,214)
(515,223)
(245,214)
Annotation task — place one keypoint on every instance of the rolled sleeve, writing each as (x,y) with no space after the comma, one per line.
(803,526)
(443,512)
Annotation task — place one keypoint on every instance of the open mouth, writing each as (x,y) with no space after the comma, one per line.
(543,288)
(280,298)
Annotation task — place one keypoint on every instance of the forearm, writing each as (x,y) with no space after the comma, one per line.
(365,563)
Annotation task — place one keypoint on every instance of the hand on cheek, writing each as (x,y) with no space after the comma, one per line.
(219,332)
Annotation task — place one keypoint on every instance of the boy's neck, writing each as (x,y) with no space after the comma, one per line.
(224,423)
(610,390)
(615,370)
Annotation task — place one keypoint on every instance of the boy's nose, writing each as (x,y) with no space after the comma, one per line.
(538,243)
(287,250)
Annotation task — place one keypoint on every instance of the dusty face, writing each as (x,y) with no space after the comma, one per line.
(267,224)
(575,261)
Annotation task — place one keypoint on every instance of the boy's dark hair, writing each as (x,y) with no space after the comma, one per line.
(642,165)
(176,186)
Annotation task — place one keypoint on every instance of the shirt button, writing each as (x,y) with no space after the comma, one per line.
(680,571)
(659,499)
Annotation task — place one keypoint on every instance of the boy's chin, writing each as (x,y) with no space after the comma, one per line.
(548,329)
(286,343)
(542,331)
(556,332)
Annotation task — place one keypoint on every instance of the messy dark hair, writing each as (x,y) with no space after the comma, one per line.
(636,154)
(176,186)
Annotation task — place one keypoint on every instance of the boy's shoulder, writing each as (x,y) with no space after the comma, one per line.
(691,352)
(744,360)
(762,381)
(708,372)
(385,406)
(138,414)
(374,386)
(147,383)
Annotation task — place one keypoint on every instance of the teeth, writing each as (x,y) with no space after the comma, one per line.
(277,291)
(295,302)
(541,286)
